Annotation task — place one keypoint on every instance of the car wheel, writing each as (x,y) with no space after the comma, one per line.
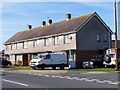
(105,66)
(107,59)
(53,68)
(62,67)
(43,67)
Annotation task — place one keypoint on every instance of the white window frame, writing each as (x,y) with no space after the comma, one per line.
(6,47)
(12,46)
(25,45)
(66,39)
(46,41)
(36,43)
(56,40)
(12,57)
(15,45)
(18,46)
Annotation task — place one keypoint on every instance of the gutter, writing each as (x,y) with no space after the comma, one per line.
(41,37)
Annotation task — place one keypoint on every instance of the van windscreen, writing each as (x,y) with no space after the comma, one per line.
(112,55)
(40,56)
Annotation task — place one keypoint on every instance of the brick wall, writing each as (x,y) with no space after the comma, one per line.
(84,55)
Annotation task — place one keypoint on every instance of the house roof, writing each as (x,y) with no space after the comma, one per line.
(55,28)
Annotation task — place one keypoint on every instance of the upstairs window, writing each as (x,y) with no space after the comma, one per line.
(12,46)
(46,41)
(105,38)
(98,37)
(25,45)
(36,43)
(56,40)
(6,47)
(18,45)
(66,39)
(15,45)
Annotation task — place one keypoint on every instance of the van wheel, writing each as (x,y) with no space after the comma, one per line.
(53,68)
(43,67)
(62,67)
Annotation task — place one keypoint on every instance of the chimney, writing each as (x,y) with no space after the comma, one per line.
(68,17)
(49,21)
(29,26)
(43,23)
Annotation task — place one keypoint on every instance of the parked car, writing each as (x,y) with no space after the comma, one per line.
(5,62)
(94,62)
(109,60)
(49,60)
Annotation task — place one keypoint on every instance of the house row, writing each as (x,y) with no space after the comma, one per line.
(79,38)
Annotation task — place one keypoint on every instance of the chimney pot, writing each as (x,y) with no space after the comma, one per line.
(43,23)
(49,21)
(68,16)
(29,26)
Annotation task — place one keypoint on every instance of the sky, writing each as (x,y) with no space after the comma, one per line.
(15,15)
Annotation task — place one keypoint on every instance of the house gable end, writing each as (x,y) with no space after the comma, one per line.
(99,18)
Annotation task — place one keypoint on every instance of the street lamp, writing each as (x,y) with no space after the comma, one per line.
(115,30)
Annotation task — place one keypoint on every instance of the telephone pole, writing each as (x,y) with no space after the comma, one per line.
(115,30)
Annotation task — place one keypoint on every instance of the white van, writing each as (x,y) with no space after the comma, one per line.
(49,60)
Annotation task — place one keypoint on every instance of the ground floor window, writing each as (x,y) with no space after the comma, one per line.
(71,55)
(34,56)
(12,57)
(19,58)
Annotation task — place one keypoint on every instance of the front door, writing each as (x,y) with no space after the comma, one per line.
(25,59)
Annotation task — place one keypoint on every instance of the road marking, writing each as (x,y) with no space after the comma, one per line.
(80,79)
(29,73)
(40,75)
(15,82)
(61,77)
(69,78)
(53,76)
(35,74)
(46,75)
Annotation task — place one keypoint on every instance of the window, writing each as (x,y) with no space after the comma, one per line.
(56,40)
(12,46)
(25,45)
(46,41)
(98,37)
(17,46)
(47,57)
(34,56)
(66,39)
(36,43)
(105,38)
(12,57)
(6,47)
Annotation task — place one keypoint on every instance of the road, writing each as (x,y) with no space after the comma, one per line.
(36,80)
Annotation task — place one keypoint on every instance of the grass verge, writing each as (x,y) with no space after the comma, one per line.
(95,69)
(18,67)
(82,70)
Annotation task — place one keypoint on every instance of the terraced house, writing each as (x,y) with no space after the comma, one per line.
(79,38)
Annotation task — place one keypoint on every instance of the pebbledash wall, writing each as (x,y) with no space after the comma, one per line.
(90,36)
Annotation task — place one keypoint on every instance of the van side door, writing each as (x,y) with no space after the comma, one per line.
(48,59)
